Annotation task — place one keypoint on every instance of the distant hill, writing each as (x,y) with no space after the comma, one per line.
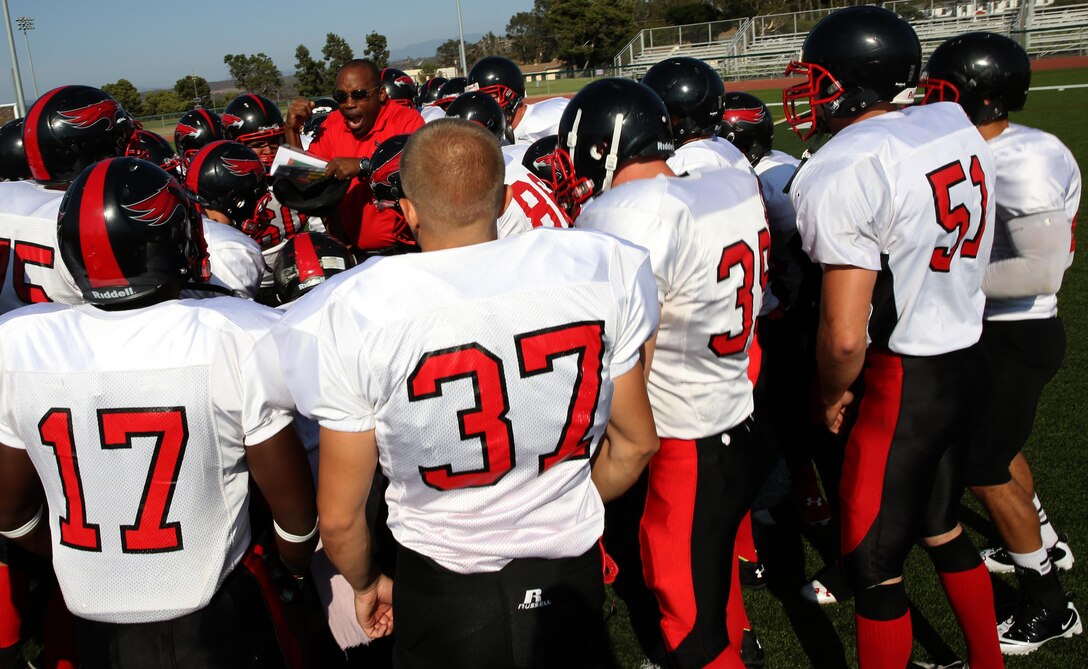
(425,49)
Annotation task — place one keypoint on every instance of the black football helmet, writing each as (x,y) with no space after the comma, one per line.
(428,92)
(449,92)
(253,118)
(748,125)
(72,127)
(607,122)
(195,130)
(305,261)
(229,178)
(500,78)
(851,60)
(153,148)
(385,173)
(539,157)
(479,107)
(400,89)
(324,106)
(692,92)
(986,73)
(13,165)
(126,230)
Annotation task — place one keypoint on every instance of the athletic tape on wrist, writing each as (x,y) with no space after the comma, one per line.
(294,538)
(27,528)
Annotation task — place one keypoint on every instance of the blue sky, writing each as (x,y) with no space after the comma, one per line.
(153,43)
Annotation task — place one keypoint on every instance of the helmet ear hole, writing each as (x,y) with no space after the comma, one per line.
(599,150)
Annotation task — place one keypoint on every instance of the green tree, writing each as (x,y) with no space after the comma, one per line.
(124,92)
(309,74)
(377,48)
(194,89)
(427,70)
(255,74)
(590,31)
(531,40)
(448,54)
(492,45)
(166,102)
(691,12)
(336,52)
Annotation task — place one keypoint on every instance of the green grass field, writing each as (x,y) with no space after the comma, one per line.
(798,635)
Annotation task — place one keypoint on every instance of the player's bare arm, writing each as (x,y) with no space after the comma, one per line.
(841,342)
(22,505)
(299,110)
(631,437)
(348,463)
(280,469)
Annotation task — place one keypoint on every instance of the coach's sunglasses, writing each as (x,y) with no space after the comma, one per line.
(358,94)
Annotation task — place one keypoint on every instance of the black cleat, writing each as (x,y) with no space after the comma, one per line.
(1032,625)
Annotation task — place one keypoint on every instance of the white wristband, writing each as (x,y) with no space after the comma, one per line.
(294,538)
(25,529)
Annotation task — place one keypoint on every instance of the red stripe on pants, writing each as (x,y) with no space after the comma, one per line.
(862,486)
(256,566)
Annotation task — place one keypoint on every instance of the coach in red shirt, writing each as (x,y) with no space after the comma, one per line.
(364,122)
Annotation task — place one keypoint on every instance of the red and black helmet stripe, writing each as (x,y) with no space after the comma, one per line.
(32,130)
(306,258)
(94,240)
(192,175)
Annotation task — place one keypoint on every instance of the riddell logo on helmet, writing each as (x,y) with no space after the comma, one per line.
(112,294)
(232,121)
(85,117)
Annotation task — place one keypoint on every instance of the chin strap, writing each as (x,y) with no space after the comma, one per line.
(613,160)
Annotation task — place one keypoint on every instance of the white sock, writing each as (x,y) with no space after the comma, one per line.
(1050,537)
(1037,561)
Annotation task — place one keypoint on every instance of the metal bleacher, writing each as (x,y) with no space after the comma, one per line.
(762,46)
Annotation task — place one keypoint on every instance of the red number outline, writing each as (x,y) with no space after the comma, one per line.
(737,254)
(956,219)
(117,428)
(538,350)
(487,423)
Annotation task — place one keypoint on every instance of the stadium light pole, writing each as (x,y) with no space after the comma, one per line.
(20,102)
(460,33)
(26,24)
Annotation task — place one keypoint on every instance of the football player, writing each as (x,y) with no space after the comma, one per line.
(502,79)
(529,203)
(13,165)
(142,417)
(694,94)
(153,148)
(482,375)
(400,89)
(1036,198)
(347,141)
(895,207)
(196,129)
(707,237)
(428,98)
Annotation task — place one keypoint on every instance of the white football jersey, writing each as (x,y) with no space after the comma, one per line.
(708,241)
(775,170)
(137,422)
(235,259)
(540,120)
(486,372)
(531,204)
(431,113)
(31,269)
(907,194)
(705,154)
(1036,174)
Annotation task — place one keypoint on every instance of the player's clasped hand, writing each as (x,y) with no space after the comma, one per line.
(835,412)
(374,608)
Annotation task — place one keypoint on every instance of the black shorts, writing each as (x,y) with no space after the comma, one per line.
(237,629)
(1024,356)
(531,613)
(903,472)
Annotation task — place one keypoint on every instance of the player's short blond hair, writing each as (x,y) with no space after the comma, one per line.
(453,173)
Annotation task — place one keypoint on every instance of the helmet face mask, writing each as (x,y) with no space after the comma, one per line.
(255,121)
(851,60)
